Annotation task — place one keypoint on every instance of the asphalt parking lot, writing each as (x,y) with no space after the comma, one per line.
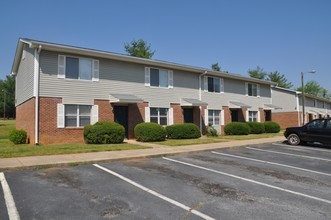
(270,181)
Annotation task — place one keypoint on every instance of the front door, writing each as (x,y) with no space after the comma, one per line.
(188,115)
(121,117)
(234,115)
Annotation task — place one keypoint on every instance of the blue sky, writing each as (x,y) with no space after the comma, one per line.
(289,36)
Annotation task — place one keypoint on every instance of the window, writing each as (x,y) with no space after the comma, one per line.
(252,116)
(252,89)
(77,115)
(213,84)
(78,68)
(158,78)
(214,117)
(159,115)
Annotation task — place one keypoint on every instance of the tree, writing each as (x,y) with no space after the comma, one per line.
(7,97)
(315,89)
(279,79)
(139,48)
(257,73)
(216,67)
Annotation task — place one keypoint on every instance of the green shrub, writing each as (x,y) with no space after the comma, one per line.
(104,132)
(18,136)
(149,131)
(211,131)
(271,127)
(256,127)
(183,131)
(237,128)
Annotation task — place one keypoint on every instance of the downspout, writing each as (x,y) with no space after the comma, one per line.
(36,92)
(200,98)
(298,109)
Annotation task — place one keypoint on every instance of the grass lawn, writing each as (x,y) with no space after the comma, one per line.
(182,142)
(8,149)
(250,136)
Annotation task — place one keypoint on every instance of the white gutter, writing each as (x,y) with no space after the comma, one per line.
(200,97)
(36,92)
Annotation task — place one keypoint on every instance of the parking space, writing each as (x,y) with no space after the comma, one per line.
(271,181)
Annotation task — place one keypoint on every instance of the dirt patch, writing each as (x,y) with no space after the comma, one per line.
(213,189)
(115,209)
(61,177)
(282,175)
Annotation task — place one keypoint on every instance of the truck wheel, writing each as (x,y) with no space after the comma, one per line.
(293,139)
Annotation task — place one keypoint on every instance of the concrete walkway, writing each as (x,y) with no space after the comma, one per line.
(155,150)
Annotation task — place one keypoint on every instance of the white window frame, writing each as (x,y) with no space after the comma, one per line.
(62,68)
(148,77)
(77,116)
(214,113)
(257,88)
(206,84)
(159,115)
(253,116)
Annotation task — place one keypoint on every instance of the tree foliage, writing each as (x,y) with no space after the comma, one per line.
(275,76)
(257,73)
(279,79)
(315,89)
(7,97)
(216,67)
(139,48)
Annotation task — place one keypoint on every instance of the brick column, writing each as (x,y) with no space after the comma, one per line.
(106,112)
(136,115)
(178,113)
(25,118)
(262,115)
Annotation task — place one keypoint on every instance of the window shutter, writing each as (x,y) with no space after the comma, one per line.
(61,67)
(222,117)
(222,85)
(258,90)
(171,79)
(246,88)
(94,114)
(147,76)
(147,114)
(206,117)
(247,115)
(258,116)
(95,76)
(205,86)
(171,116)
(60,115)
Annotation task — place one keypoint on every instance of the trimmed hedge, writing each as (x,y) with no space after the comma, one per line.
(256,127)
(149,131)
(183,131)
(237,128)
(104,132)
(271,127)
(18,136)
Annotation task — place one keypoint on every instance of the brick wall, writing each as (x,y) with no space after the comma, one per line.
(105,110)
(286,119)
(25,118)
(262,115)
(178,113)
(48,131)
(136,114)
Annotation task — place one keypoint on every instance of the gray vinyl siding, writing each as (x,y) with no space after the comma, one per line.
(114,77)
(25,77)
(234,90)
(285,99)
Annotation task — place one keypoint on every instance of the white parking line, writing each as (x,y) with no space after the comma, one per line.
(193,211)
(272,163)
(10,203)
(293,155)
(249,180)
(304,148)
